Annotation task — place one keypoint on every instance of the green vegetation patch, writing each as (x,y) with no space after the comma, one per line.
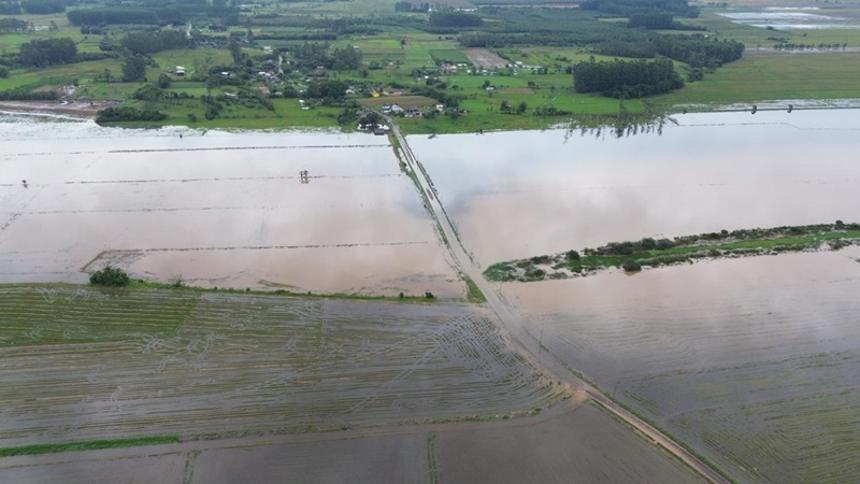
(473,292)
(648,252)
(39,449)
(453,56)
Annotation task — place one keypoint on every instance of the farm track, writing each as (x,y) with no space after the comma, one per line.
(78,364)
(526,344)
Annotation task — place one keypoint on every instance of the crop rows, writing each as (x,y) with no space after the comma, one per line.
(77,362)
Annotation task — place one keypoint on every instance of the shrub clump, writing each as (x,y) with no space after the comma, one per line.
(110,276)
(631,266)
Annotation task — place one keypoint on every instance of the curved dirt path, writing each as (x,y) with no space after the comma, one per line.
(525,343)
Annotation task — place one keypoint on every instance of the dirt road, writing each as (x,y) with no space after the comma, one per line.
(524,342)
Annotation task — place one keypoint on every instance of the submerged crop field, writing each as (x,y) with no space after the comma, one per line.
(214,209)
(754,362)
(205,364)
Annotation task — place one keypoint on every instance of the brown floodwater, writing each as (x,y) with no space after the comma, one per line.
(519,194)
(214,209)
(753,361)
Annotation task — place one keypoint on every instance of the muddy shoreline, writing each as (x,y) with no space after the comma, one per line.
(77,109)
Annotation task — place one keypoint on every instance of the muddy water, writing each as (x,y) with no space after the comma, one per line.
(214,209)
(518,194)
(754,361)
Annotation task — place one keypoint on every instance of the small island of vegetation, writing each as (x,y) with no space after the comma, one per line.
(649,252)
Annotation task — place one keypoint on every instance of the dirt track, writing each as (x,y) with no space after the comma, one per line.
(525,343)
(485,59)
(78,109)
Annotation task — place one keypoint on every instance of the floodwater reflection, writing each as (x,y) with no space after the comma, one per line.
(220,209)
(519,194)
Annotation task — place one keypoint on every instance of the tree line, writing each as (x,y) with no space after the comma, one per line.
(695,50)
(45,52)
(144,42)
(34,7)
(127,15)
(629,7)
(626,79)
(455,19)
(658,21)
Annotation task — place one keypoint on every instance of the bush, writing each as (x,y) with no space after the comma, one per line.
(631,266)
(163,81)
(148,92)
(4,72)
(128,113)
(110,276)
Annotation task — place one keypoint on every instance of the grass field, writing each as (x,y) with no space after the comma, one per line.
(287,113)
(449,55)
(83,72)
(193,60)
(759,77)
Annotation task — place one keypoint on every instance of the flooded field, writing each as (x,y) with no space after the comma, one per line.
(584,446)
(520,194)
(754,362)
(186,363)
(214,209)
(790,18)
(583,443)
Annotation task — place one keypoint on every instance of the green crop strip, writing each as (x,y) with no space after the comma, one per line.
(39,449)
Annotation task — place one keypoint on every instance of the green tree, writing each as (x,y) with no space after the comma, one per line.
(45,52)
(134,69)
(521,107)
(110,276)
(163,81)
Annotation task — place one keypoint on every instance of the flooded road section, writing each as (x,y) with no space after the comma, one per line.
(214,209)
(754,362)
(519,194)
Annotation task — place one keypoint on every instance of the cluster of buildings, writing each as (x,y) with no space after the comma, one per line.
(410,112)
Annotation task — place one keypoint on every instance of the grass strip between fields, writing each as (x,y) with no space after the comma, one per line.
(39,449)
(474,293)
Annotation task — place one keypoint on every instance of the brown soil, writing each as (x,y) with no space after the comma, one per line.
(81,109)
